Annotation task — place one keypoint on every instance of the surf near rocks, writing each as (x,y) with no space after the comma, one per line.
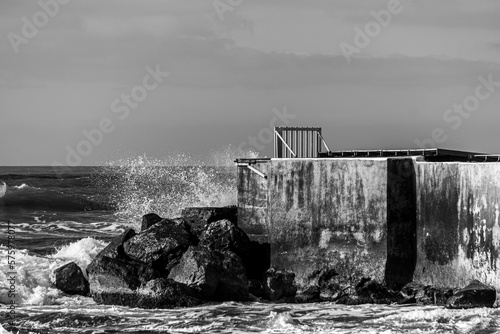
(196,258)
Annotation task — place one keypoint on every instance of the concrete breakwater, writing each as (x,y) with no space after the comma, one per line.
(395,220)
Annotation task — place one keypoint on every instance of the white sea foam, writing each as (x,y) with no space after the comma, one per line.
(3,330)
(34,274)
(239,318)
(81,252)
(283,323)
(3,188)
(24,186)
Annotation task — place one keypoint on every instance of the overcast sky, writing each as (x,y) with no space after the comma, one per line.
(232,62)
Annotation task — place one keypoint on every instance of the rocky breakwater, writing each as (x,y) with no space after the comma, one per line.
(170,263)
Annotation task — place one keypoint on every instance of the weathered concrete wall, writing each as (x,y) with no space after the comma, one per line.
(458,231)
(328,212)
(253,202)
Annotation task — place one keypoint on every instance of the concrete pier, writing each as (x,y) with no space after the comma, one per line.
(395,220)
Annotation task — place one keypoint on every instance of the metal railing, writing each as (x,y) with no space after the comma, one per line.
(298,142)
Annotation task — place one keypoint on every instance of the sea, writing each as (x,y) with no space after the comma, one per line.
(52,216)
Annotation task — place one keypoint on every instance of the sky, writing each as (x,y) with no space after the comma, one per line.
(84,82)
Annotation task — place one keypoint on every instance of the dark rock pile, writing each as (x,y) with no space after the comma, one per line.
(171,263)
(204,256)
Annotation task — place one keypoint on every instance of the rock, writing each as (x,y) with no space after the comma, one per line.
(233,283)
(182,223)
(326,279)
(223,235)
(115,248)
(70,280)
(200,269)
(410,291)
(279,284)
(114,281)
(165,293)
(424,294)
(149,220)
(434,296)
(160,246)
(255,288)
(200,217)
(475,294)
(310,294)
(371,291)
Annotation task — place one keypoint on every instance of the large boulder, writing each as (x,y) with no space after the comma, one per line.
(114,249)
(224,235)
(160,246)
(415,292)
(70,280)
(200,269)
(212,274)
(164,293)
(114,281)
(233,282)
(200,217)
(475,294)
(279,284)
(149,220)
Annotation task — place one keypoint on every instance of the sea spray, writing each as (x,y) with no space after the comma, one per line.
(140,185)
(3,189)
(35,279)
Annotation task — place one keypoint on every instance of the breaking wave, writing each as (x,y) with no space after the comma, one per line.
(34,273)
(140,185)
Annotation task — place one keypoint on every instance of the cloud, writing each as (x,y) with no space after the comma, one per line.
(257,70)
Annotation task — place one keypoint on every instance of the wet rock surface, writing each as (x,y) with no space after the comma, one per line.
(70,280)
(200,269)
(224,235)
(475,294)
(115,248)
(201,217)
(160,246)
(279,284)
(165,293)
(149,220)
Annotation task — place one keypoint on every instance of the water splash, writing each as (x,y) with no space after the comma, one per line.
(3,188)
(34,274)
(140,185)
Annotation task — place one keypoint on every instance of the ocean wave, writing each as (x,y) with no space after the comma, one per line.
(34,273)
(26,198)
(25,186)
(140,185)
